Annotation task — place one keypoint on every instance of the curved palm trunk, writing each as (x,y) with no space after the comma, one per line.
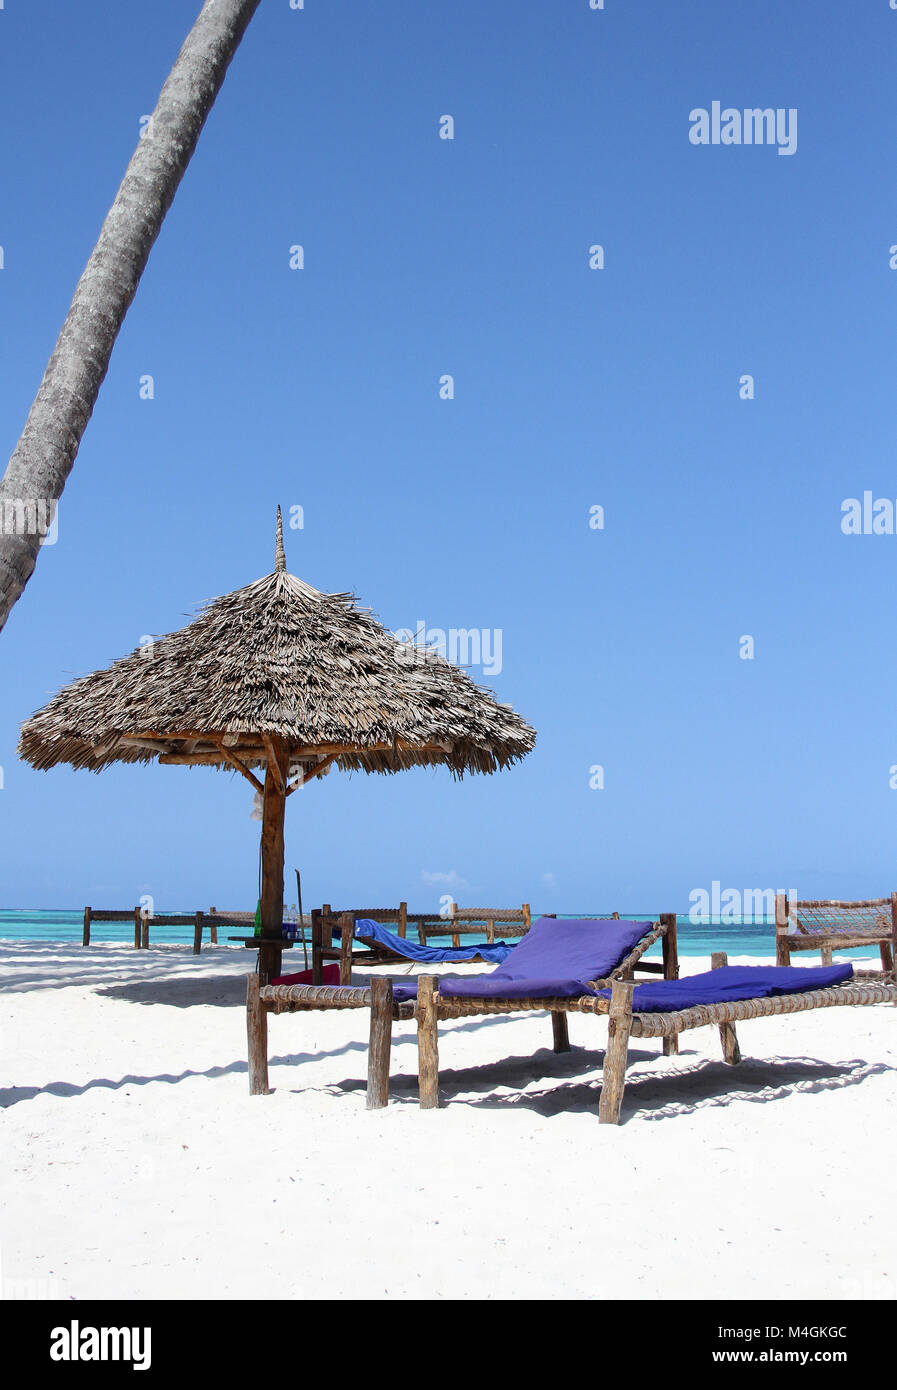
(44,455)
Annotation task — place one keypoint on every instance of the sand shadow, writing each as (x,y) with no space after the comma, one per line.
(660,1094)
(15,1095)
(178,992)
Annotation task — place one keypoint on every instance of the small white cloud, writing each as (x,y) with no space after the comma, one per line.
(549,881)
(450,880)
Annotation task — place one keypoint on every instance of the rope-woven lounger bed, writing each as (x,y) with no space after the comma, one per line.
(430,1008)
(832,925)
(380,997)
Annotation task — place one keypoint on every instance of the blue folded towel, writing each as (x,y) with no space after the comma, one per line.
(368,930)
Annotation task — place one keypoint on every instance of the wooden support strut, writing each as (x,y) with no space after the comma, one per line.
(619,1024)
(85,935)
(727,1035)
(316,771)
(237,764)
(274,764)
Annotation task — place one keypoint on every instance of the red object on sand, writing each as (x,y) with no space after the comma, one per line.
(329,976)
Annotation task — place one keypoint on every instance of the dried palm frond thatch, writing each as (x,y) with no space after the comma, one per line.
(278,658)
(281,676)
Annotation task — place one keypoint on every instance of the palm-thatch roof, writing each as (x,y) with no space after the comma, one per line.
(278,659)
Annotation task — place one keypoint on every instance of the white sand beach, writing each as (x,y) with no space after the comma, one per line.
(136,1165)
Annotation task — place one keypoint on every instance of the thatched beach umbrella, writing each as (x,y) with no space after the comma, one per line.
(282,677)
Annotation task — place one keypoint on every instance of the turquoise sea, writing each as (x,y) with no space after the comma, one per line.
(48,924)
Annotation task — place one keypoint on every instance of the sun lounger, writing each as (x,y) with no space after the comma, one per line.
(128,914)
(837,926)
(511,921)
(587,952)
(327,924)
(664,1009)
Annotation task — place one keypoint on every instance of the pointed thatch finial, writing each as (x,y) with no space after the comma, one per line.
(280,559)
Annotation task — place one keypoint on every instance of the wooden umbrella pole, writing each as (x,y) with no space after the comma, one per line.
(273,808)
(301,918)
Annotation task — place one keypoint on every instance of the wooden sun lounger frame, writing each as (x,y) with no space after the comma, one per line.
(126,914)
(623,1024)
(324,921)
(429,1007)
(200,921)
(808,916)
(512,922)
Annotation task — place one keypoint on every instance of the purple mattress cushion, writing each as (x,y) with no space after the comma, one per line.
(555,960)
(731,982)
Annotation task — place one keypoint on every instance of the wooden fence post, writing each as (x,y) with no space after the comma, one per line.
(197,934)
(85,935)
(144,930)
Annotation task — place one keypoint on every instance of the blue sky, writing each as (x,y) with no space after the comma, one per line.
(574,388)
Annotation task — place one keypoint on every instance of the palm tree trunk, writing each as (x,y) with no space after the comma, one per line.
(45,453)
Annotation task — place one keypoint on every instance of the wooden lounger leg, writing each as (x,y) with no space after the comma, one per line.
(380,1043)
(613,1081)
(670,948)
(727,1035)
(560,1032)
(783,950)
(257,1038)
(729,1039)
(427,1042)
(347,935)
